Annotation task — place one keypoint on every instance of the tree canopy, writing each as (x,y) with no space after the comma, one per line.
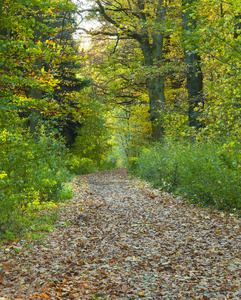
(193,44)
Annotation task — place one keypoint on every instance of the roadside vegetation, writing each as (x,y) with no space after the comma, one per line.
(207,174)
(156,89)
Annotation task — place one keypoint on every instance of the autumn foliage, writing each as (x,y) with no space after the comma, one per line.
(194,63)
(32,49)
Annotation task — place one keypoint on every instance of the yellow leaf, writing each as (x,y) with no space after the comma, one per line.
(44,295)
(141,293)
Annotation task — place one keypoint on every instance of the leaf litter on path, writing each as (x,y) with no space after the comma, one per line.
(129,242)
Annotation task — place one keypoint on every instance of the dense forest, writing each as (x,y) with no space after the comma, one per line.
(153,86)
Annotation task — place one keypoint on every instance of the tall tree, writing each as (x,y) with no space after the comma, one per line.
(134,20)
(193,61)
(39,54)
(117,83)
(220,49)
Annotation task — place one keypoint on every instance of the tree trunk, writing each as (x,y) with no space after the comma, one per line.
(34,92)
(194,87)
(156,89)
(157,104)
(153,53)
(194,72)
(237,26)
(35,115)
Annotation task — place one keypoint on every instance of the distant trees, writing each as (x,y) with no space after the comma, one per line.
(149,24)
(207,33)
(134,20)
(121,89)
(193,61)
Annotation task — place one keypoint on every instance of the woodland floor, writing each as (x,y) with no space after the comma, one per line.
(129,242)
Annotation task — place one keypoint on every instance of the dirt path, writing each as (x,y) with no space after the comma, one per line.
(129,242)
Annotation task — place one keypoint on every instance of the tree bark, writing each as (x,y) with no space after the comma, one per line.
(153,53)
(157,104)
(34,92)
(237,26)
(155,86)
(194,87)
(194,71)
(35,115)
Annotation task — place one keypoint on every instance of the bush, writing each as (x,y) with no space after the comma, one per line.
(204,173)
(132,163)
(78,165)
(31,171)
(107,164)
(83,165)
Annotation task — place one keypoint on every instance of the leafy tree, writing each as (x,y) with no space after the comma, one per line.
(32,170)
(118,82)
(221,66)
(135,20)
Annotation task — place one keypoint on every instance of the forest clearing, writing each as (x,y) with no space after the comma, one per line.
(119,239)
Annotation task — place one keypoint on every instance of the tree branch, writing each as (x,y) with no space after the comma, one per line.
(117,41)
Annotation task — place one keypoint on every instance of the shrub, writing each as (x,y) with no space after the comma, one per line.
(206,173)
(107,164)
(78,165)
(31,171)
(132,163)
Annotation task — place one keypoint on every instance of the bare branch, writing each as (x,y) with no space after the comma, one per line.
(117,41)
(103,13)
(125,30)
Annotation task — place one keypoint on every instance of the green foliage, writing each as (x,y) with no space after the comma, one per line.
(92,144)
(32,167)
(80,165)
(43,222)
(131,130)
(132,164)
(32,172)
(206,173)
(211,31)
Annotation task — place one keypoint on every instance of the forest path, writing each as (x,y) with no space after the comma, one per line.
(129,242)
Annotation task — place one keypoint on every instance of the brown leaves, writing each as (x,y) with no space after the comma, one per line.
(129,242)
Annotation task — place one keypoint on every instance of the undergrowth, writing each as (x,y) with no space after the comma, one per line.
(82,165)
(204,173)
(32,174)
